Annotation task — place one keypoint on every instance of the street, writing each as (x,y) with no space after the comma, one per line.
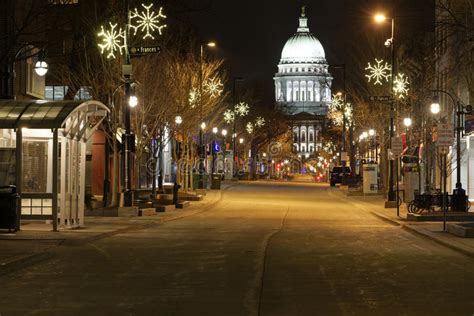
(265,248)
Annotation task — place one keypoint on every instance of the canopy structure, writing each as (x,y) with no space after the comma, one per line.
(47,114)
(61,128)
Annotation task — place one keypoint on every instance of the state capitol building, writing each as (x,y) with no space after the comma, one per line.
(303,88)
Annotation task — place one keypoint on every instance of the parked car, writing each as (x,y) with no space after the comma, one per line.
(338,173)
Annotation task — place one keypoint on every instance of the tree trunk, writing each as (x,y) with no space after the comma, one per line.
(160,161)
(116,175)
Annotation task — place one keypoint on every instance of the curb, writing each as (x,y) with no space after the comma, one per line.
(421,233)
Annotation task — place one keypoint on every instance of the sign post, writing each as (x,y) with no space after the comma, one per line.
(445,134)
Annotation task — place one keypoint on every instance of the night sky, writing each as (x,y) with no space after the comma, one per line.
(251,33)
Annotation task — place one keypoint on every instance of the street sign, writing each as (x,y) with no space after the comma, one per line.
(383,98)
(141,50)
(445,135)
(397,146)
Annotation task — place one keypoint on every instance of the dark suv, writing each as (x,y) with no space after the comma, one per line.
(338,173)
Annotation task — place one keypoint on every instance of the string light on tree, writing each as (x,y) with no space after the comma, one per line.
(241,109)
(400,85)
(229,116)
(193,97)
(379,71)
(214,87)
(113,40)
(147,21)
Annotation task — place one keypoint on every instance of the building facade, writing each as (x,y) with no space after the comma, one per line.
(303,88)
(454,76)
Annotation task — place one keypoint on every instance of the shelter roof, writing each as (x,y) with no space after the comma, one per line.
(43,113)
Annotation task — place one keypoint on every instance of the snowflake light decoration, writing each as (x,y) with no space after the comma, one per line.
(249,127)
(259,121)
(400,85)
(336,117)
(241,109)
(229,116)
(214,87)
(147,21)
(113,40)
(337,103)
(379,71)
(349,113)
(194,97)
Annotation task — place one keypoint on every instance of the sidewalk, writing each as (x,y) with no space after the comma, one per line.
(431,230)
(36,239)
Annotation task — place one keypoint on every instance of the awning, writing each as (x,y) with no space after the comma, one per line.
(44,114)
(77,118)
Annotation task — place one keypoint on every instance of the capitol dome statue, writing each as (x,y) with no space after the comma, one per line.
(303,87)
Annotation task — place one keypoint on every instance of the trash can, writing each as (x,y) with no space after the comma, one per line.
(9,208)
(200,181)
(215,181)
(459,200)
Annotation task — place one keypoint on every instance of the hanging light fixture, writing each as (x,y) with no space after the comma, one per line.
(41,66)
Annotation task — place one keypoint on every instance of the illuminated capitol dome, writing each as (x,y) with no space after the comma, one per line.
(303,87)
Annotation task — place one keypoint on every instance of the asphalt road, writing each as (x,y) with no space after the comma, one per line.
(264,249)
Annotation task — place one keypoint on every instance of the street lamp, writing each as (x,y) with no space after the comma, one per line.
(41,68)
(459,194)
(133,101)
(343,67)
(201,149)
(372,139)
(203,126)
(215,130)
(435,108)
(380,18)
(178,120)
(407,122)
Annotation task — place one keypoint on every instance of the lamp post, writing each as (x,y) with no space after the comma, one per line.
(380,18)
(459,194)
(41,68)
(215,130)
(234,140)
(407,123)
(201,149)
(373,140)
(116,40)
(344,149)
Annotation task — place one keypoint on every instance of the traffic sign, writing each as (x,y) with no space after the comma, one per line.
(141,50)
(397,146)
(445,135)
(344,156)
(382,98)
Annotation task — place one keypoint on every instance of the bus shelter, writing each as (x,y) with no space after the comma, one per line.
(43,153)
